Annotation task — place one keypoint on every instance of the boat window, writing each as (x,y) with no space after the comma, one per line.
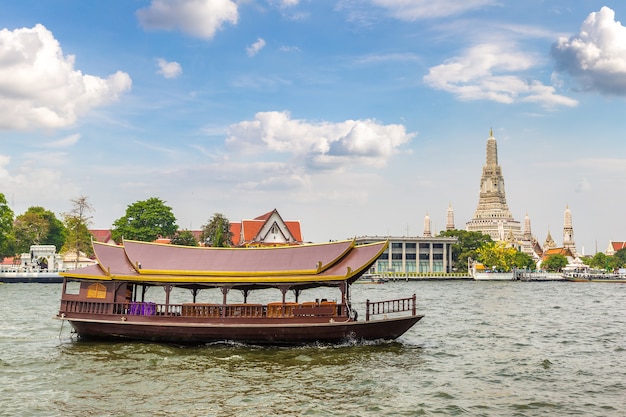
(96,290)
(72,287)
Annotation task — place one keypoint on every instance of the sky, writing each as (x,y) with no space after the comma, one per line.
(354,117)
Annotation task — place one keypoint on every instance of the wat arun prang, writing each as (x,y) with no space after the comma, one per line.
(493,216)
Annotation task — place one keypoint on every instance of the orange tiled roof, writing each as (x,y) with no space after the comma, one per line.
(618,245)
(556,251)
(101,235)
(10,261)
(235,229)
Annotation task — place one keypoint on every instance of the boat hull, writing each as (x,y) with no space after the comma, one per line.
(31,277)
(494,276)
(253,333)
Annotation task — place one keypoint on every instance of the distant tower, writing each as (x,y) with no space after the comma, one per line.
(427,226)
(492,216)
(568,232)
(549,243)
(450,218)
(528,235)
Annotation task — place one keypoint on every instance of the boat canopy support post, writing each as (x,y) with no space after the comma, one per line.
(225,290)
(245,295)
(194,293)
(168,290)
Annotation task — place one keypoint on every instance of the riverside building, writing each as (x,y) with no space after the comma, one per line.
(414,255)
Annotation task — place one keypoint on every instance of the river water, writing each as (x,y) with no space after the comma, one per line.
(483,349)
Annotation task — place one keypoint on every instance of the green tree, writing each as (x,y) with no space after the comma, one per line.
(145,221)
(503,258)
(619,259)
(524,261)
(38,226)
(77,222)
(6,229)
(466,247)
(600,261)
(184,238)
(217,232)
(554,263)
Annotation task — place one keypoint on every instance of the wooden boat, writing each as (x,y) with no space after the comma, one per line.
(111,300)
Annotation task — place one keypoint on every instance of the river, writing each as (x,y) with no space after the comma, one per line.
(482,349)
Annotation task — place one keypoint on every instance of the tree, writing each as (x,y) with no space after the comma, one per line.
(6,229)
(619,259)
(38,226)
(145,221)
(600,261)
(554,263)
(217,232)
(504,258)
(466,247)
(77,222)
(184,238)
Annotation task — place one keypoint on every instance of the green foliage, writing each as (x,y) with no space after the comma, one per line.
(554,263)
(184,238)
(217,232)
(145,221)
(6,229)
(600,261)
(497,255)
(619,259)
(466,247)
(77,223)
(38,226)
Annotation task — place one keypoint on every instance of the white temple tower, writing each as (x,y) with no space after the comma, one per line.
(427,232)
(568,232)
(450,218)
(492,215)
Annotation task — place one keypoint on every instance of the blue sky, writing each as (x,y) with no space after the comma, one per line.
(354,117)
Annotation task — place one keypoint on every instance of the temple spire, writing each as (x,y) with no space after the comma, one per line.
(568,231)
(492,215)
(427,232)
(450,218)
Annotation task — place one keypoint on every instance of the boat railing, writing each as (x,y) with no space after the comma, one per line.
(390,306)
(270,310)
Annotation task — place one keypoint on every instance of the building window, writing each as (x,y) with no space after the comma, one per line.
(410,245)
(384,255)
(396,256)
(410,256)
(424,256)
(396,245)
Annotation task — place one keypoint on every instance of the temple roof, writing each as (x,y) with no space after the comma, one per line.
(304,264)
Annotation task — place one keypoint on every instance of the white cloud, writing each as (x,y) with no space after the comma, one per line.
(583,185)
(490,72)
(596,56)
(33,181)
(320,145)
(254,49)
(428,9)
(198,18)
(169,69)
(64,142)
(284,3)
(39,87)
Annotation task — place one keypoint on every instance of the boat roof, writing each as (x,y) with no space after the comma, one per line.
(304,265)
